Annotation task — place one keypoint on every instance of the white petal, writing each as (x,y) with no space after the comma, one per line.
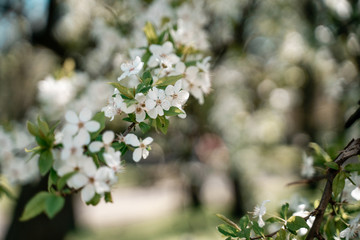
(150,104)
(71,117)
(88,166)
(167,47)
(160,111)
(161,94)
(178,86)
(83,137)
(95,146)
(88,192)
(85,115)
(192,71)
(169,90)
(183,96)
(165,104)
(132,139)
(356,193)
(148,140)
(180,67)
(78,180)
(152,113)
(92,126)
(108,137)
(145,153)
(152,94)
(102,187)
(137,154)
(140,116)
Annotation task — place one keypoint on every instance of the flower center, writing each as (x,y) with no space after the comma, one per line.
(81,125)
(142,145)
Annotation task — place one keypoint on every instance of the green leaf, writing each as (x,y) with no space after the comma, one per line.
(108,197)
(332,165)
(95,200)
(35,206)
(257,229)
(42,142)
(123,90)
(284,211)
(32,128)
(319,151)
(145,58)
(43,126)
(173,111)
(45,161)
(294,223)
(6,191)
(150,33)
(244,222)
(227,230)
(53,205)
(338,183)
(62,181)
(352,167)
(168,80)
(100,118)
(147,78)
(143,88)
(144,127)
(281,235)
(53,177)
(162,124)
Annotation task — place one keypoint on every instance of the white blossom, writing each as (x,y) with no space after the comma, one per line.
(176,95)
(142,145)
(113,160)
(107,139)
(352,230)
(163,55)
(81,124)
(260,211)
(156,102)
(131,68)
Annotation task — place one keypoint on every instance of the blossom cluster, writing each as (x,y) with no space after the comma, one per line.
(152,88)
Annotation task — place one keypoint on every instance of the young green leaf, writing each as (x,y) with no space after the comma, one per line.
(6,191)
(150,33)
(294,223)
(338,183)
(332,165)
(284,211)
(144,127)
(352,167)
(62,181)
(168,80)
(35,206)
(32,128)
(162,124)
(227,230)
(53,204)
(173,111)
(123,90)
(45,161)
(257,229)
(108,197)
(95,200)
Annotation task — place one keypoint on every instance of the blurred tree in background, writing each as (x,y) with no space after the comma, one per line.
(284,73)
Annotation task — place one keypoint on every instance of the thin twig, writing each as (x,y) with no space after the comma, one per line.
(130,127)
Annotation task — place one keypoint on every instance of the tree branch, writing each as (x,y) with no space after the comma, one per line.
(131,126)
(352,149)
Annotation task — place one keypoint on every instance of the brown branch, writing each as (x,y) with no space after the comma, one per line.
(307,181)
(352,149)
(131,126)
